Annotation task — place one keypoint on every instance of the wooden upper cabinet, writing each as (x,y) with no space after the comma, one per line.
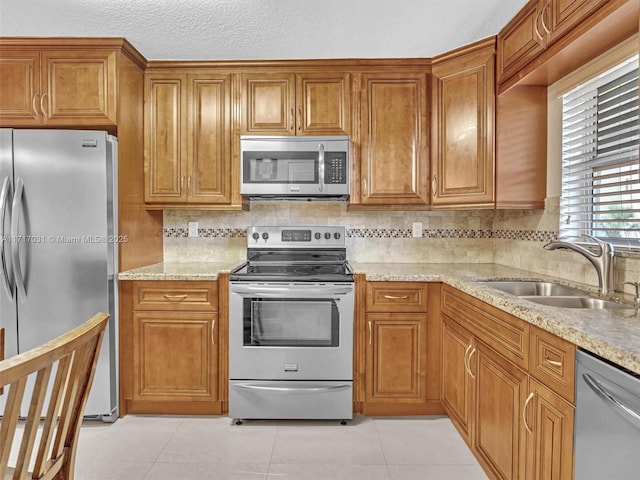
(394,158)
(188,138)
(58,87)
(296,104)
(562,15)
(540,24)
(462,142)
(521,40)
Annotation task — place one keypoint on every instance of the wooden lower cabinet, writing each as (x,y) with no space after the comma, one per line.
(457,384)
(500,391)
(549,433)
(516,426)
(173,356)
(170,348)
(399,335)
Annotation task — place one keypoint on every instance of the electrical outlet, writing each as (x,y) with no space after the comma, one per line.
(416,229)
(193,229)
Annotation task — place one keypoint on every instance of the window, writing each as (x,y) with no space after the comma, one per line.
(600,163)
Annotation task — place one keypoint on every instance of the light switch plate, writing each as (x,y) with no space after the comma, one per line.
(416,231)
(193,229)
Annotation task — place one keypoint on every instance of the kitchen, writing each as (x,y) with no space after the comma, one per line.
(158,228)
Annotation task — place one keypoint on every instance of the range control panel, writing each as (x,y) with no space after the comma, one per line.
(296,237)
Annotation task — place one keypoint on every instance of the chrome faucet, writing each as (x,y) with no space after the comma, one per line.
(602,262)
(636,285)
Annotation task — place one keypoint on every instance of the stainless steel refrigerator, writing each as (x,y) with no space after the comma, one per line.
(58,220)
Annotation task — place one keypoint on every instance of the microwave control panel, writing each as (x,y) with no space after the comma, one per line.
(335,167)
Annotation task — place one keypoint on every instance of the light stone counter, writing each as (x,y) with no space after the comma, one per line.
(611,334)
(178,271)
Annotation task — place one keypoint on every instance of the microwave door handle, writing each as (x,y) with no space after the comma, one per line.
(321,159)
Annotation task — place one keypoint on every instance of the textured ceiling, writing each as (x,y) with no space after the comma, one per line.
(266,29)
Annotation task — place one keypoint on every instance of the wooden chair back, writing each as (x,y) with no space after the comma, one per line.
(73,357)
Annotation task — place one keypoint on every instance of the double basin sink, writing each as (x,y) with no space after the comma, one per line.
(553,294)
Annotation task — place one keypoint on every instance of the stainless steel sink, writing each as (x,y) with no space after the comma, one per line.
(533,288)
(576,302)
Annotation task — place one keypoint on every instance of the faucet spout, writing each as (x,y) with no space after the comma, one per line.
(602,262)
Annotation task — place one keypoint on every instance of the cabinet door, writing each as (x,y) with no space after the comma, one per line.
(174,356)
(457,383)
(396,358)
(520,41)
(549,434)
(463,128)
(79,87)
(268,104)
(19,88)
(209,141)
(323,104)
(394,151)
(562,15)
(165,138)
(501,392)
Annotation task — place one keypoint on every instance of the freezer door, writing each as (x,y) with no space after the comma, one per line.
(60,221)
(8,313)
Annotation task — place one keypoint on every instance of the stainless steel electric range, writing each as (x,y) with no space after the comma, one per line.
(291,326)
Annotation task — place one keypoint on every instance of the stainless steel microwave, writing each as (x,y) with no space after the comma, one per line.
(314,168)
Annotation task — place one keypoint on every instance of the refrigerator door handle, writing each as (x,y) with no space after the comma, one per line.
(15,244)
(4,200)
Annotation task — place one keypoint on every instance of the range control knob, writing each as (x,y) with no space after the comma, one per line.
(265,236)
(255,235)
(318,235)
(336,235)
(327,235)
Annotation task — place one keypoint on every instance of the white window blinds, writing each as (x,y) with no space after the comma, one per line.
(600,162)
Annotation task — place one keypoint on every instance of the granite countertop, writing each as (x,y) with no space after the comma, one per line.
(611,334)
(179,271)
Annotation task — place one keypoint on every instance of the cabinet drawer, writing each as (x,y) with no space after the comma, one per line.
(503,332)
(396,297)
(163,295)
(552,362)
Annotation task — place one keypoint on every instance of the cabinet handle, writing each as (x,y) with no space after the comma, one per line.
(44,112)
(291,120)
(33,104)
(469,362)
(434,186)
(393,297)
(213,329)
(299,119)
(175,298)
(544,25)
(189,184)
(466,363)
(555,363)
(181,184)
(370,333)
(535,26)
(524,413)
(365,191)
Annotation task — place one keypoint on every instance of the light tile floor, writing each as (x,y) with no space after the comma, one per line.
(140,447)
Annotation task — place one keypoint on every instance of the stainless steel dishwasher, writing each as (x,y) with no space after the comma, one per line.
(607,427)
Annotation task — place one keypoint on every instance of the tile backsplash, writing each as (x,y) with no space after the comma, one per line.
(509,237)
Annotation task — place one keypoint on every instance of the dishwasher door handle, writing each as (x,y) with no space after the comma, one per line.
(627,412)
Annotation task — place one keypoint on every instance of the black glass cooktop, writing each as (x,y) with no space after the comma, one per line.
(295,273)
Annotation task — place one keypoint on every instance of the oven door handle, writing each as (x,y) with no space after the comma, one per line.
(329,388)
(288,292)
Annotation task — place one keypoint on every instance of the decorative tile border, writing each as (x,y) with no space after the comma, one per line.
(444,233)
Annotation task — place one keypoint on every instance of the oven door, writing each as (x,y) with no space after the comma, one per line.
(285,331)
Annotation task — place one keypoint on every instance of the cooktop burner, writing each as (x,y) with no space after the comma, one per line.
(293,273)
